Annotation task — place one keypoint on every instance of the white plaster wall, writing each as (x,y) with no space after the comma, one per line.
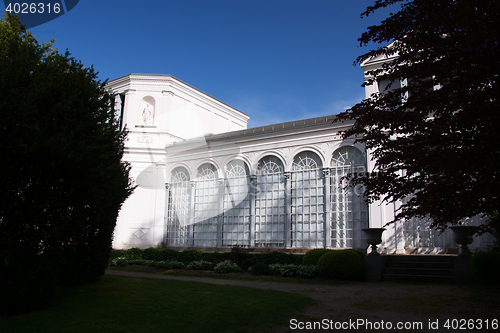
(180,112)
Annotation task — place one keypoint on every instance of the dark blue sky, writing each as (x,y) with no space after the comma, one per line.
(275,60)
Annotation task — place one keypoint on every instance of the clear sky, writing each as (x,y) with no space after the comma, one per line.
(275,60)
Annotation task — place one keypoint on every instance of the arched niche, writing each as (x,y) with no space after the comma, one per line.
(147,111)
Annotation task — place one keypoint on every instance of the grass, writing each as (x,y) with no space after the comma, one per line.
(234,276)
(125,304)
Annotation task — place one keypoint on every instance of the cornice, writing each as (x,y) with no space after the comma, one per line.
(281,129)
(180,85)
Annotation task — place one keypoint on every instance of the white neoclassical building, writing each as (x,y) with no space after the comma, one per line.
(206,181)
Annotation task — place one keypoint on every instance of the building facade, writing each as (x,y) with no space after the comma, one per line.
(206,181)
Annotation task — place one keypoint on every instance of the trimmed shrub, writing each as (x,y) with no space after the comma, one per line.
(216,257)
(259,268)
(342,264)
(359,252)
(239,253)
(133,253)
(160,254)
(307,271)
(188,256)
(271,258)
(275,269)
(120,261)
(115,254)
(291,270)
(169,264)
(486,266)
(227,267)
(201,265)
(312,256)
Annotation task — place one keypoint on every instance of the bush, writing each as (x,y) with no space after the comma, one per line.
(201,265)
(120,261)
(291,270)
(307,271)
(133,253)
(227,267)
(312,256)
(358,252)
(216,257)
(275,269)
(486,266)
(164,264)
(271,258)
(188,256)
(66,176)
(342,264)
(259,268)
(160,254)
(169,264)
(239,253)
(115,254)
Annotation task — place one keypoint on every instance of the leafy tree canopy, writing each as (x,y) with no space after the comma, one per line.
(435,138)
(62,177)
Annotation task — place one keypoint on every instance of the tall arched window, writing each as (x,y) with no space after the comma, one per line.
(236,221)
(307,201)
(270,203)
(206,206)
(178,208)
(349,210)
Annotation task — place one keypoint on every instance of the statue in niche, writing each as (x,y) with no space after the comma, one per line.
(147,115)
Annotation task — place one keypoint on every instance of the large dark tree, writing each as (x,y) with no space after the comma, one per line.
(436,138)
(62,179)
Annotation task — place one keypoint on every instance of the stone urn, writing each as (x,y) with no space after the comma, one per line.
(463,235)
(374,237)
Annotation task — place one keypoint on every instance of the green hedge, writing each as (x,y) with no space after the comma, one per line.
(259,268)
(486,266)
(342,264)
(271,258)
(312,256)
(185,256)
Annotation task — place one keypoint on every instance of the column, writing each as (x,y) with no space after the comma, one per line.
(191,214)
(327,208)
(165,216)
(288,210)
(220,215)
(252,189)
(128,103)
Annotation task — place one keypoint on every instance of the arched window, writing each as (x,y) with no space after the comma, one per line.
(270,165)
(307,201)
(179,175)
(236,168)
(206,207)
(207,171)
(306,160)
(236,220)
(270,203)
(178,202)
(349,157)
(349,210)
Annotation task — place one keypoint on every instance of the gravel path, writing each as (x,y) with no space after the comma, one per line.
(372,302)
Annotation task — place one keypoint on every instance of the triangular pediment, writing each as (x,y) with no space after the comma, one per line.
(379,59)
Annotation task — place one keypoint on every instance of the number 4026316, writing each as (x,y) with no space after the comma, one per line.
(33,8)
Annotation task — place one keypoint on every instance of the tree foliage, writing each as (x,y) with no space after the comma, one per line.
(62,179)
(435,139)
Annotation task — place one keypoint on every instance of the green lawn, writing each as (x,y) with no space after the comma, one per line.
(124,304)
